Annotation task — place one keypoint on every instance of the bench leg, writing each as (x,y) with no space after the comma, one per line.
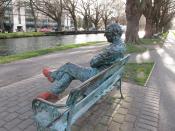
(120,87)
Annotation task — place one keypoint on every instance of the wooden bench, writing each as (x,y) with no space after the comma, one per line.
(59,116)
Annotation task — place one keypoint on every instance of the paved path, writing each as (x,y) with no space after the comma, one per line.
(20,70)
(138,112)
(163,77)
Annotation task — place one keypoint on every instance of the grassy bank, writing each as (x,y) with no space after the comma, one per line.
(137,73)
(10,58)
(133,48)
(21,34)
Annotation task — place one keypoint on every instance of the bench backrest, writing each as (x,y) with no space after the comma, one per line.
(88,86)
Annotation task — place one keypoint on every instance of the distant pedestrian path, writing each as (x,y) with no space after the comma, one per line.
(163,78)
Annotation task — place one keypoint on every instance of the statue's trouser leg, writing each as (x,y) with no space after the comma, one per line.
(67,73)
(76,71)
(60,85)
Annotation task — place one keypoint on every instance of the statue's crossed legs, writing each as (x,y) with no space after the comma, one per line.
(65,74)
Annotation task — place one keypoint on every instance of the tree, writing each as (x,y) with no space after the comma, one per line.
(166,13)
(134,9)
(33,11)
(95,16)
(71,7)
(50,8)
(118,7)
(3,5)
(158,14)
(106,12)
(84,10)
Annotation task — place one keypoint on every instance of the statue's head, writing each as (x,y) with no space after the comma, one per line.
(113,32)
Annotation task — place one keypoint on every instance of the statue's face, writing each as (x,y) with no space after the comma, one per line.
(109,36)
(113,32)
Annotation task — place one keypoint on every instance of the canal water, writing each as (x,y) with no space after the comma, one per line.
(20,45)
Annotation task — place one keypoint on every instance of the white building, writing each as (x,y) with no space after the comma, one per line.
(19,18)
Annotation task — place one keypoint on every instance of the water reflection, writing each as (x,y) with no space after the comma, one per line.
(19,45)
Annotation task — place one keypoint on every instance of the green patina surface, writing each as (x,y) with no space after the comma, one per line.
(137,73)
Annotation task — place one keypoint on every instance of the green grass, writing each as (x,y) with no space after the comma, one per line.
(133,48)
(174,34)
(151,41)
(10,58)
(20,34)
(137,73)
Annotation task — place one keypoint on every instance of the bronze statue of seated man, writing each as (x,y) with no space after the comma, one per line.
(63,76)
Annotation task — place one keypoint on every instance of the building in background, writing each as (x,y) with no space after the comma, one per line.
(19,18)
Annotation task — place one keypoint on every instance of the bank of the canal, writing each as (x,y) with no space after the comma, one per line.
(21,45)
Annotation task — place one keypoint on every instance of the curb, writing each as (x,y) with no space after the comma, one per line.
(145,85)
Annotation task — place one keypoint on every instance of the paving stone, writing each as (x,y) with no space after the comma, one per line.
(105,120)
(86,127)
(31,128)
(128,99)
(122,111)
(151,107)
(110,112)
(151,123)
(150,114)
(150,118)
(3,129)
(3,108)
(126,126)
(16,129)
(25,124)
(130,118)
(150,110)
(126,105)
(134,111)
(140,129)
(13,109)
(26,115)
(101,127)
(12,123)
(119,118)
(114,126)
(145,126)
(11,116)
(24,109)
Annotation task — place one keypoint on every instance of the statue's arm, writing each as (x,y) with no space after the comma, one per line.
(101,59)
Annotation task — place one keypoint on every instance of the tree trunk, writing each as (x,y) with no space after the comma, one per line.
(132,30)
(133,13)
(86,23)
(75,23)
(2,23)
(149,28)
(96,26)
(59,24)
(105,21)
(34,15)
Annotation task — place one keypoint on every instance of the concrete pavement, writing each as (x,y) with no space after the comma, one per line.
(163,78)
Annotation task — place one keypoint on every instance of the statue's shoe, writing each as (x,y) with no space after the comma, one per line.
(46,73)
(47,96)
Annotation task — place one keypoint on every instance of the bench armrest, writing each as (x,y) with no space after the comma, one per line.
(48,103)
